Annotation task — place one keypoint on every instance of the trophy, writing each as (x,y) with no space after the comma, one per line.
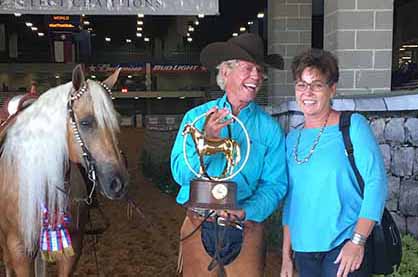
(214,192)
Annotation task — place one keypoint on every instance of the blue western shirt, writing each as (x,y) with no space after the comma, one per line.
(263,181)
(324,200)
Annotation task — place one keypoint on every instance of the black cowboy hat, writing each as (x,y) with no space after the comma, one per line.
(247,47)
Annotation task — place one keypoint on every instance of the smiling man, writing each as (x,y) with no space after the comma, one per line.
(261,184)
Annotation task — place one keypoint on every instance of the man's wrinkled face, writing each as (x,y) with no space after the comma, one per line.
(243,81)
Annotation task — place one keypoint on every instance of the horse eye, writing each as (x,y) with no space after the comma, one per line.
(87,121)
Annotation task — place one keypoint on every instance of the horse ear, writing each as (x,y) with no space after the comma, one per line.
(78,77)
(111,80)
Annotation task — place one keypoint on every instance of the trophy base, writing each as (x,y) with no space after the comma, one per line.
(213,195)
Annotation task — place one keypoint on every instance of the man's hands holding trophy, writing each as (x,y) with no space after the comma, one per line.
(215,122)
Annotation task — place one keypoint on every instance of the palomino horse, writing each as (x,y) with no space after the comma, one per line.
(210,146)
(73,122)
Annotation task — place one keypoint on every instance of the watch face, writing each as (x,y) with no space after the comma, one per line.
(219,191)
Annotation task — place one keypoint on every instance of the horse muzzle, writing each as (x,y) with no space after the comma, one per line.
(113,181)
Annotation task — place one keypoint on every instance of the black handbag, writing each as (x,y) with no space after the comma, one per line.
(384,241)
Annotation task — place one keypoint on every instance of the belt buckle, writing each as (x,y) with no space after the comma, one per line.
(221,221)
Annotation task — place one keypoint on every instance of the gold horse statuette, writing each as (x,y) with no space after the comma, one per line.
(209,146)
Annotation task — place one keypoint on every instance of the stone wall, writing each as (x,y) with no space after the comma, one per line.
(397,135)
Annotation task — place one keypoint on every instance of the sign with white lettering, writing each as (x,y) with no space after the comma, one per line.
(178,68)
(155,68)
(111,7)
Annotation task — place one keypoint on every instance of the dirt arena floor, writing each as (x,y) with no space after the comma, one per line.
(140,247)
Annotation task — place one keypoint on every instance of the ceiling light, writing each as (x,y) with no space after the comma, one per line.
(29,24)
(242,29)
(182,97)
(159,97)
(234,34)
(18,14)
(113,98)
(410,46)
(260,15)
(139,28)
(140,22)
(146,39)
(108,39)
(196,22)
(86,22)
(128,40)
(188,34)
(90,29)
(401,49)
(93,76)
(136,97)
(34,28)
(129,76)
(41,34)
(201,15)
(139,35)
(140,15)
(189,39)
(83,15)
(190,29)
(250,22)
(57,76)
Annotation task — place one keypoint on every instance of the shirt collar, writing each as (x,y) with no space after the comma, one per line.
(224,103)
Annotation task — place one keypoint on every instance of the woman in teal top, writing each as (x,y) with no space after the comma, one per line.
(326,220)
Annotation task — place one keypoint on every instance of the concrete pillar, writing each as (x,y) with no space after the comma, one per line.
(2,37)
(289,33)
(359,33)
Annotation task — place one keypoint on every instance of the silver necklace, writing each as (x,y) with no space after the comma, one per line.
(311,151)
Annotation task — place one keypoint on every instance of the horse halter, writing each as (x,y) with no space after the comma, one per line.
(88,159)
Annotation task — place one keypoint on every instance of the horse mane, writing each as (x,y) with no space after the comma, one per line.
(36,148)
(104,112)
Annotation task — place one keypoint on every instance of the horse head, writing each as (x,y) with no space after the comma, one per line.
(92,134)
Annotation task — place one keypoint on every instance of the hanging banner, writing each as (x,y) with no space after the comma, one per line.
(111,7)
(153,68)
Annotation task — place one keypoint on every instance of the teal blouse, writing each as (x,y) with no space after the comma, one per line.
(324,201)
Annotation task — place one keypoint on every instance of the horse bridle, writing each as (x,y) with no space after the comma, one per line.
(90,163)
(88,159)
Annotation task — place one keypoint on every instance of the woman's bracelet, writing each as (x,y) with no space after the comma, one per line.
(358,239)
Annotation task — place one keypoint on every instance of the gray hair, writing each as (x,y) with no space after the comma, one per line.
(230,64)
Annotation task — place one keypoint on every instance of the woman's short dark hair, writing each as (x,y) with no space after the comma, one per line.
(325,62)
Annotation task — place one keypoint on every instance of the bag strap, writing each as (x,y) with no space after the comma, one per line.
(344,126)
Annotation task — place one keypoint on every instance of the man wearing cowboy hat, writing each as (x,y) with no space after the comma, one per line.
(261,184)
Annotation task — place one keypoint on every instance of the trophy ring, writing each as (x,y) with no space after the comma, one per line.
(210,192)
(247,154)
